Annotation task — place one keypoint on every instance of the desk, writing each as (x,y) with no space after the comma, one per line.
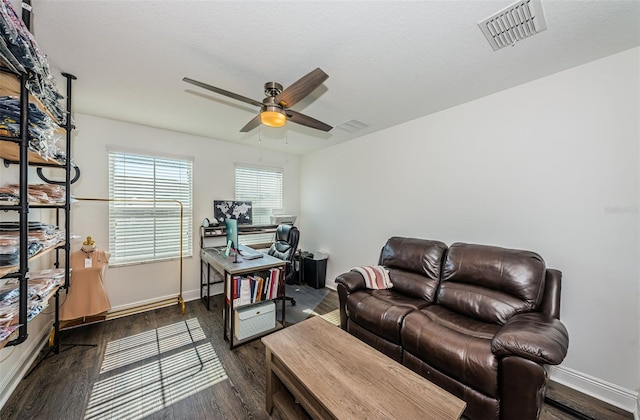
(215,258)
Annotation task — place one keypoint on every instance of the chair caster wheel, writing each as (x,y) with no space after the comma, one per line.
(293,302)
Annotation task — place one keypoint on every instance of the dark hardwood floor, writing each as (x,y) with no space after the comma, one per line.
(125,377)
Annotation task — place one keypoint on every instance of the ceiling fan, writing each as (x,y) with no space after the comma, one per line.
(275,108)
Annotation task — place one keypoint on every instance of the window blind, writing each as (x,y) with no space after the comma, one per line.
(263,187)
(145,225)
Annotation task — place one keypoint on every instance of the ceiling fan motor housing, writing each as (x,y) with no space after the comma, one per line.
(272,88)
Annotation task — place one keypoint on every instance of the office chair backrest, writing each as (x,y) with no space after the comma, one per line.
(286,243)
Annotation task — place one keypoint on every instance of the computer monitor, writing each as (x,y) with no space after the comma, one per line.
(232,234)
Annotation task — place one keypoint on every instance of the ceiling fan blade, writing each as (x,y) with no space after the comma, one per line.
(222,92)
(301,88)
(255,121)
(302,119)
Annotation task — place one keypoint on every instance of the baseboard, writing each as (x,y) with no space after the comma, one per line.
(20,369)
(157,302)
(610,393)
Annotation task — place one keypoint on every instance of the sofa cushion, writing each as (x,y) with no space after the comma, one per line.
(414,265)
(491,283)
(381,311)
(392,350)
(413,285)
(457,346)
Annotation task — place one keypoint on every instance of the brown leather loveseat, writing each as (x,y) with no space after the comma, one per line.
(479,321)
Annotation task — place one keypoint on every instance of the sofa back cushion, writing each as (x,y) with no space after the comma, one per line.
(491,283)
(414,265)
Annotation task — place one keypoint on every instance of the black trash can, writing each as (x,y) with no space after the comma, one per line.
(314,269)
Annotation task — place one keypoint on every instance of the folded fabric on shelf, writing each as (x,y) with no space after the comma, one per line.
(54,193)
(9,194)
(38,289)
(5,332)
(33,226)
(9,259)
(38,193)
(42,129)
(41,236)
(8,59)
(20,52)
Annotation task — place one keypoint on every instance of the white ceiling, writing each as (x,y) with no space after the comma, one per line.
(388,61)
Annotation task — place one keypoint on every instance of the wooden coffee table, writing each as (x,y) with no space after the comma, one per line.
(333,375)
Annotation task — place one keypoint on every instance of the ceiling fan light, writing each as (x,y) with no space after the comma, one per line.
(273,118)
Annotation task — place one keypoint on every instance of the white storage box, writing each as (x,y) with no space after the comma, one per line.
(254,319)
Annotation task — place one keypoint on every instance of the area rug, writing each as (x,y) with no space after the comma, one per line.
(332,317)
(307,298)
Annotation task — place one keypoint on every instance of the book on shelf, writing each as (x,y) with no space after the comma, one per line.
(251,289)
(274,277)
(252,286)
(244,291)
(260,288)
(227,292)
(256,288)
(235,287)
(267,288)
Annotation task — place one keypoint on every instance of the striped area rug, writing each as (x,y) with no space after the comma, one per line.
(333,317)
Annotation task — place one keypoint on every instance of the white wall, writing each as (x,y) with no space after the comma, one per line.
(213,175)
(550,166)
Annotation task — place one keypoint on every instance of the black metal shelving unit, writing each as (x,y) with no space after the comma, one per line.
(25,159)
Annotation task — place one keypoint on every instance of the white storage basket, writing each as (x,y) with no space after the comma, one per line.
(254,319)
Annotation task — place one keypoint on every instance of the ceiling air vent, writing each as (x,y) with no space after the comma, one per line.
(514,23)
(352,126)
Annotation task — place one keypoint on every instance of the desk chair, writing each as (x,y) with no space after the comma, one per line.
(284,248)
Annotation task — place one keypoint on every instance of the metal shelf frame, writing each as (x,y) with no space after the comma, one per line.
(22,207)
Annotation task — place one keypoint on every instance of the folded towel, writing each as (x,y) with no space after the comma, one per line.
(375,276)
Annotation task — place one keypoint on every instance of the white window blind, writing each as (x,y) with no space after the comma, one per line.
(263,187)
(144,218)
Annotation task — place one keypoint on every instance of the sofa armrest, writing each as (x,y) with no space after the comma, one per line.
(347,283)
(534,336)
(351,281)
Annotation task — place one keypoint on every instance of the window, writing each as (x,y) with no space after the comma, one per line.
(144,218)
(263,187)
